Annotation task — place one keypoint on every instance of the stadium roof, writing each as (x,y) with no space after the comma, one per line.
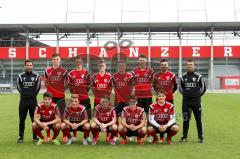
(123,27)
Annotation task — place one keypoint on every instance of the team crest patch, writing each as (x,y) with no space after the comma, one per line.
(32,78)
(167,77)
(82,76)
(136,115)
(50,112)
(145,74)
(59,73)
(194,79)
(24,78)
(185,79)
(125,79)
(105,80)
(165,110)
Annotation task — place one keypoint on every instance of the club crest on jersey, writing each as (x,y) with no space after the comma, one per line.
(167,77)
(136,115)
(82,76)
(59,73)
(105,80)
(24,78)
(165,110)
(194,79)
(50,112)
(74,76)
(185,79)
(32,78)
(125,79)
(145,74)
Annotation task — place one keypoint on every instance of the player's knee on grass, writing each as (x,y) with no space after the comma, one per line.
(87,126)
(144,130)
(93,125)
(114,127)
(57,126)
(175,128)
(150,129)
(63,126)
(34,125)
(120,128)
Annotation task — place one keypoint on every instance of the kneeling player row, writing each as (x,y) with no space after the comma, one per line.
(132,121)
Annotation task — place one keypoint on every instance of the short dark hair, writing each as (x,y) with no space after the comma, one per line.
(28,60)
(105,97)
(163,60)
(74,96)
(190,60)
(47,94)
(100,61)
(142,56)
(78,57)
(55,55)
(161,92)
(132,97)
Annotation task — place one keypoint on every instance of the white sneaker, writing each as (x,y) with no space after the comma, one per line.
(130,139)
(70,141)
(85,141)
(116,139)
(148,139)
(89,140)
(74,139)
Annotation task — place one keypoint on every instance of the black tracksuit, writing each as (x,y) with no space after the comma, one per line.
(192,87)
(28,85)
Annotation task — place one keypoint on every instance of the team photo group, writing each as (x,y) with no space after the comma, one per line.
(131,116)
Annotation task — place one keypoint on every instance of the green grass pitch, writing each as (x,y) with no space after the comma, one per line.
(221,128)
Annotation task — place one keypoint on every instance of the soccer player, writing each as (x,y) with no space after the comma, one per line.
(165,80)
(104,120)
(101,82)
(143,76)
(55,82)
(28,85)
(75,119)
(133,122)
(79,82)
(47,117)
(192,87)
(162,119)
(122,84)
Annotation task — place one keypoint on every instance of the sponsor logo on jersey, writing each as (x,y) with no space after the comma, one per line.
(32,78)
(28,84)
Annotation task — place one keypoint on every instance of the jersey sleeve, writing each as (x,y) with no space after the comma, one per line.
(114,114)
(151,111)
(84,115)
(37,110)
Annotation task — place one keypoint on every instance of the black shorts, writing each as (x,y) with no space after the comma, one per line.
(80,128)
(119,107)
(168,130)
(61,104)
(130,133)
(99,129)
(87,104)
(145,103)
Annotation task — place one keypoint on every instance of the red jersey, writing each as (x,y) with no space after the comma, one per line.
(143,82)
(104,115)
(122,84)
(56,79)
(165,81)
(75,115)
(101,85)
(80,82)
(161,113)
(133,116)
(47,113)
